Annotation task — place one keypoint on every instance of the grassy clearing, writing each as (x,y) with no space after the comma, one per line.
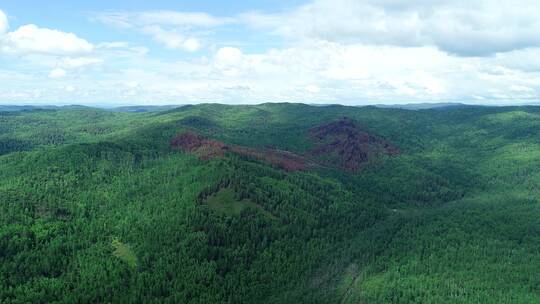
(224,202)
(124,252)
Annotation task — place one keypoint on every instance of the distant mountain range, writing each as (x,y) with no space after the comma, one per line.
(144,108)
(422,106)
(151,108)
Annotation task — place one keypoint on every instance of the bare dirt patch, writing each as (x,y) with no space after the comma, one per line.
(345,144)
(194,143)
(207,148)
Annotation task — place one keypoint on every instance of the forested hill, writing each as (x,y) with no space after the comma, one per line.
(274,203)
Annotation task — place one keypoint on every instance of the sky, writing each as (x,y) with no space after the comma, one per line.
(352,52)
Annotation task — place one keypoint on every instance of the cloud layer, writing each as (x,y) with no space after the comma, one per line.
(339,51)
(465,28)
(32,39)
(174,30)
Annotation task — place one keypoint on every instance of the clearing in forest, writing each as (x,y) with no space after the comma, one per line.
(124,252)
(224,202)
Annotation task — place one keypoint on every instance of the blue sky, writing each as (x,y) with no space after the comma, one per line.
(313,51)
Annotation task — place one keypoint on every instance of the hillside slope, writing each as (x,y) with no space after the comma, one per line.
(274,203)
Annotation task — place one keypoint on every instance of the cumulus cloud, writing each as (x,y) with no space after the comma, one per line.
(230,61)
(312,89)
(172,39)
(359,74)
(465,28)
(79,62)
(33,39)
(339,51)
(57,73)
(113,45)
(4,25)
(317,72)
(368,72)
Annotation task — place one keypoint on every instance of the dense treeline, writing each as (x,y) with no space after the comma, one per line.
(95,207)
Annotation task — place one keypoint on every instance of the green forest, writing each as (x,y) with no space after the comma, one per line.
(270,203)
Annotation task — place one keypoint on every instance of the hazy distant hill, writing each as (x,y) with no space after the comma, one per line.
(144,108)
(14,108)
(22,108)
(422,106)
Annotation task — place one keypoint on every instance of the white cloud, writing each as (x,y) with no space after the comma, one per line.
(57,73)
(4,24)
(466,28)
(312,89)
(32,39)
(113,45)
(230,61)
(228,56)
(461,27)
(172,39)
(317,72)
(191,45)
(79,62)
(342,51)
